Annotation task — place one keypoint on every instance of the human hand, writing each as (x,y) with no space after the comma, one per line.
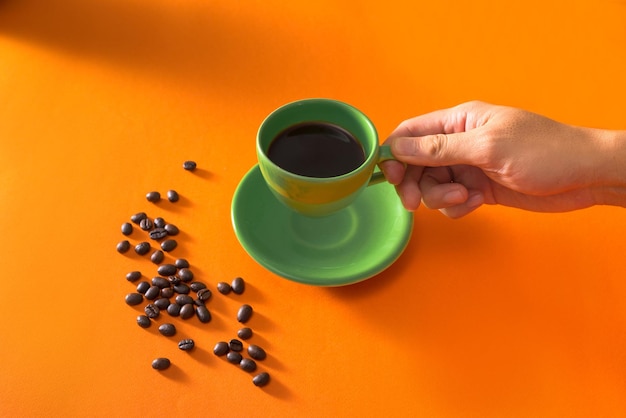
(460,158)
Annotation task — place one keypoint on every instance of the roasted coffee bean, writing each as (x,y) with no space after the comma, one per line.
(174,280)
(185,275)
(133,276)
(127,228)
(133,299)
(152,311)
(186,344)
(157,257)
(160,282)
(221,348)
(235,345)
(204,294)
(157,233)
(224,288)
(159,222)
(167,292)
(238,285)
(153,292)
(181,263)
(145,224)
(171,229)
(161,363)
(162,303)
(167,270)
(247,365)
(197,286)
(244,333)
(137,217)
(234,357)
(172,196)
(187,311)
(256,352)
(168,245)
(123,246)
(189,165)
(198,302)
(173,309)
(181,288)
(153,196)
(261,379)
(142,248)
(244,313)
(143,287)
(167,329)
(184,299)
(143,321)
(203,314)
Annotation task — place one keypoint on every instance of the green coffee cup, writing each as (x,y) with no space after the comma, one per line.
(320,196)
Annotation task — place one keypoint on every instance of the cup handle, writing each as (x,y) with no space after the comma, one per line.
(384,154)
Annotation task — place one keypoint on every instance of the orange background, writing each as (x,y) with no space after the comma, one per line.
(503,313)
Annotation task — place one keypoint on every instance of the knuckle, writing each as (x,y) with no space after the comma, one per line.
(435,145)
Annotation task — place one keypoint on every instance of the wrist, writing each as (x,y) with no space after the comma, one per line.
(609,172)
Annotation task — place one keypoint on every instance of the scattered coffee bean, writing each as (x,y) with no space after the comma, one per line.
(238,285)
(157,233)
(127,228)
(247,365)
(187,311)
(224,288)
(152,311)
(198,302)
(161,363)
(143,287)
(157,257)
(244,313)
(168,245)
(172,196)
(142,248)
(181,263)
(173,309)
(235,345)
(174,280)
(186,344)
(256,352)
(167,292)
(203,314)
(167,269)
(133,299)
(184,299)
(153,292)
(185,275)
(221,348)
(123,246)
(133,276)
(137,217)
(244,333)
(160,282)
(189,165)
(153,196)
(181,288)
(261,379)
(145,224)
(234,357)
(167,329)
(171,229)
(162,303)
(159,222)
(197,286)
(143,321)
(204,294)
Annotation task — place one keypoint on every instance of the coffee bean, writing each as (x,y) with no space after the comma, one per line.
(204,294)
(133,299)
(168,245)
(157,257)
(184,299)
(235,345)
(181,288)
(221,348)
(157,233)
(127,228)
(160,282)
(153,292)
(152,311)
(161,363)
(123,246)
(167,292)
(185,275)
(244,313)
(244,333)
(143,321)
(142,248)
(198,302)
(162,303)
(197,286)
(247,365)
(224,288)
(186,344)
(159,222)
(172,196)
(174,280)
(238,285)
(189,165)
(137,217)
(173,309)
(187,311)
(167,269)
(203,314)
(153,196)
(167,329)
(133,276)
(261,379)
(143,287)
(181,263)
(256,352)
(234,357)
(171,229)
(145,224)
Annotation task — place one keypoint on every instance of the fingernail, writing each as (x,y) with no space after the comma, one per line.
(454,196)
(475,199)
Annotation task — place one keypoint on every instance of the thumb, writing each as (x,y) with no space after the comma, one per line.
(437,150)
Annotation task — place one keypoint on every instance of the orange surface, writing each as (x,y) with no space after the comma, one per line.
(503,313)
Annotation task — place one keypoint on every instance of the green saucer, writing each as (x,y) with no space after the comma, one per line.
(346,247)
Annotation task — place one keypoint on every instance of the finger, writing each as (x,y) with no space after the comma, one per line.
(393,171)
(408,189)
(437,190)
(474,201)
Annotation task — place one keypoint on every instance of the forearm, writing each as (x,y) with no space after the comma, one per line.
(610,170)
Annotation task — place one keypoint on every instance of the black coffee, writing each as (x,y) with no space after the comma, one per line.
(316,149)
